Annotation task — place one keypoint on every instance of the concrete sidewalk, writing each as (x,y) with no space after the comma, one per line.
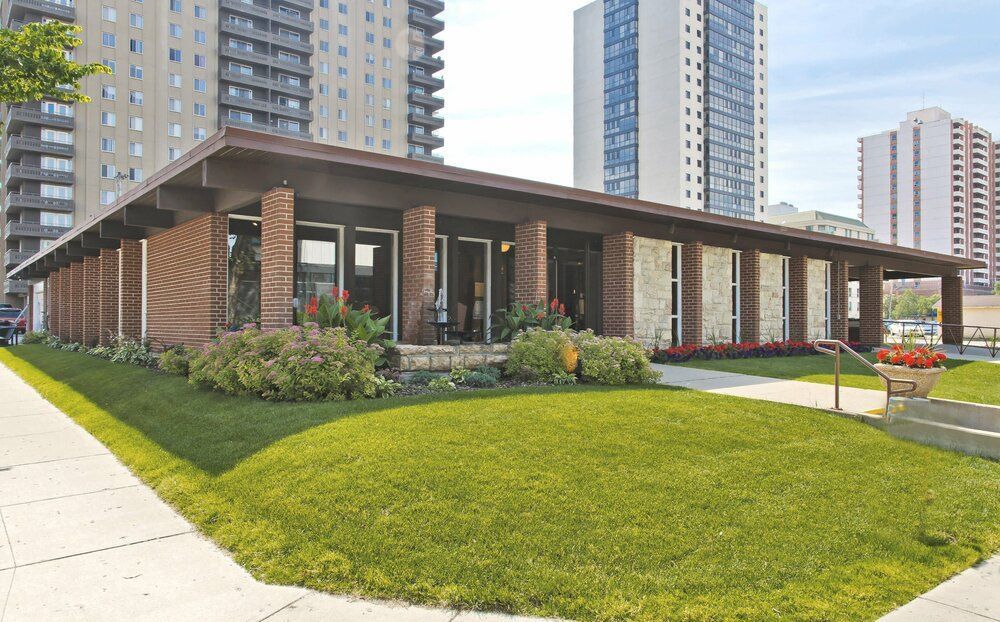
(771,389)
(81,538)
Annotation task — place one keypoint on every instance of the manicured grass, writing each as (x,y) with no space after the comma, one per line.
(967,381)
(584,503)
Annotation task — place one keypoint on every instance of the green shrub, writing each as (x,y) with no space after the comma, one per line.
(422,378)
(176,360)
(441,384)
(130,352)
(480,380)
(288,365)
(563,379)
(614,361)
(538,354)
(385,387)
(35,336)
(459,374)
(489,370)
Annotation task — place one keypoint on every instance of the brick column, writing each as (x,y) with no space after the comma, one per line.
(750,296)
(839,293)
(29,301)
(91,330)
(52,288)
(418,275)
(798,299)
(75,306)
(277,258)
(130,289)
(871,305)
(618,284)
(691,287)
(65,287)
(531,283)
(108,296)
(952,309)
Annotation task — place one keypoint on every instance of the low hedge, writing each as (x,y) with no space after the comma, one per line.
(742,350)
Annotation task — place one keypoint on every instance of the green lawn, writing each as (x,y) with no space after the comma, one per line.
(967,381)
(584,503)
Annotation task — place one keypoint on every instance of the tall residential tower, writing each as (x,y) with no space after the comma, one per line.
(931,184)
(355,73)
(670,102)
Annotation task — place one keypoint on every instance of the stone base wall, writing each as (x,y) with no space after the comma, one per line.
(717,294)
(817,299)
(409,358)
(652,292)
(772,302)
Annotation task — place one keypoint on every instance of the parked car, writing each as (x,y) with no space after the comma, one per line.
(6,305)
(9,315)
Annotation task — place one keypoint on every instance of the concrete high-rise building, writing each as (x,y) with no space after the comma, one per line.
(356,73)
(931,184)
(670,102)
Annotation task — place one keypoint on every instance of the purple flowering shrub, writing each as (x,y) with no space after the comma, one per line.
(297,364)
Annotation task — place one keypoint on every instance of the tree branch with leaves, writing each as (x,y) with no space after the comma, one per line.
(34,64)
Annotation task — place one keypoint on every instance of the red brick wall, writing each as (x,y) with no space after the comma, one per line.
(618,283)
(52,288)
(65,288)
(277,262)
(798,299)
(130,289)
(186,282)
(871,305)
(952,311)
(417,294)
(839,292)
(531,283)
(75,306)
(108,296)
(91,301)
(691,289)
(750,295)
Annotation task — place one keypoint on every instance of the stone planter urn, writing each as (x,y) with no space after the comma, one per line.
(926,379)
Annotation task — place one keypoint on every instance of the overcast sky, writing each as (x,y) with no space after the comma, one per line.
(839,69)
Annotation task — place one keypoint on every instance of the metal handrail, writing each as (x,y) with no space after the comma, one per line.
(834,347)
(955,334)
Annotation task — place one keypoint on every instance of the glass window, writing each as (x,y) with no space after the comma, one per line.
(373,271)
(317,263)
(505,295)
(471,300)
(244,272)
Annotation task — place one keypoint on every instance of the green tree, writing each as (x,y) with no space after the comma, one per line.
(910,305)
(33,64)
(996,288)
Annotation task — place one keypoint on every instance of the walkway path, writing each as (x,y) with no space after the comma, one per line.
(972,596)
(771,389)
(82,539)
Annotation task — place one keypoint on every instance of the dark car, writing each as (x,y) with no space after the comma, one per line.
(10,315)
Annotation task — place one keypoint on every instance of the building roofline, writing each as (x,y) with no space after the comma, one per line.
(232,142)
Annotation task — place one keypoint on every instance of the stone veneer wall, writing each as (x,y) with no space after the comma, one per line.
(717,294)
(772,302)
(410,358)
(817,299)
(652,292)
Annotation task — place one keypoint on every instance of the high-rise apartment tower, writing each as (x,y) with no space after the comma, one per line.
(670,102)
(356,73)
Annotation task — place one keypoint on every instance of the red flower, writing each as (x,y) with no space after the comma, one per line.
(344,295)
(882,355)
(313,306)
(366,308)
(554,305)
(929,363)
(941,356)
(524,308)
(562,309)
(343,312)
(335,292)
(540,316)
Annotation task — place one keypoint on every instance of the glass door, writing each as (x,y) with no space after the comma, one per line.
(472,295)
(317,263)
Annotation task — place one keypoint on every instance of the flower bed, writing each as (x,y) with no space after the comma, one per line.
(742,350)
(917,358)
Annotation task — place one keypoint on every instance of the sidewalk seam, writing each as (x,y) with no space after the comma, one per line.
(101,550)
(77,494)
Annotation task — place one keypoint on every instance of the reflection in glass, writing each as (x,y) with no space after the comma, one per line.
(243,287)
(440,265)
(316,263)
(373,272)
(470,300)
(504,297)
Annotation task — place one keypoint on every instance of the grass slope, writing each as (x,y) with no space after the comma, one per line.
(584,503)
(967,381)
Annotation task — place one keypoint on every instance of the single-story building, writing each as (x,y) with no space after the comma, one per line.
(250,226)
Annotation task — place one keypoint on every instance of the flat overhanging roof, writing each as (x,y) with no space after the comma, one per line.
(232,168)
